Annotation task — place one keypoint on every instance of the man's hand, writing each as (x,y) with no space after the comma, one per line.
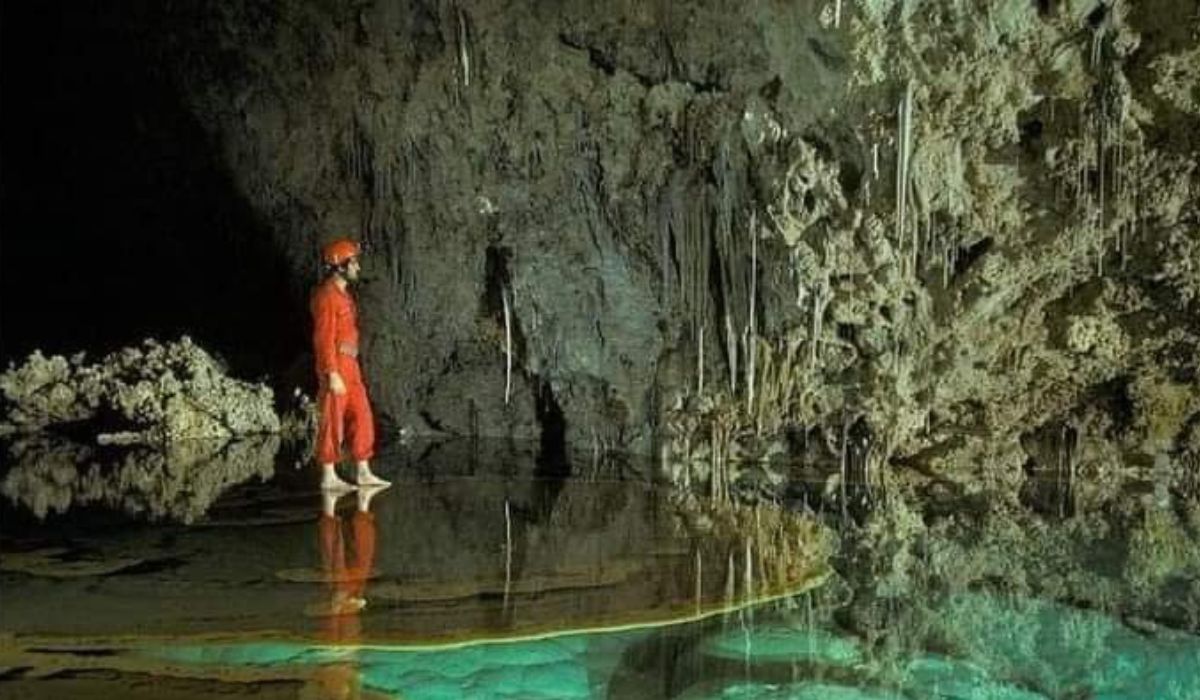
(336,385)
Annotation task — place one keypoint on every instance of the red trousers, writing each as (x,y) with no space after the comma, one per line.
(347,575)
(345,416)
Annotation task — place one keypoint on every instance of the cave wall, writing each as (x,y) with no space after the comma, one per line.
(955,227)
(559,156)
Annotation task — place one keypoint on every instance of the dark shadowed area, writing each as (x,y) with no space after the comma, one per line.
(119,220)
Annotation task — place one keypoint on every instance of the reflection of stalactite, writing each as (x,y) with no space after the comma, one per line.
(903,176)
(752,329)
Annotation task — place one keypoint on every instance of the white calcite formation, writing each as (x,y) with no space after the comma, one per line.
(153,394)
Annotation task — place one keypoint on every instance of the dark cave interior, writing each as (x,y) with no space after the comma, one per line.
(118,220)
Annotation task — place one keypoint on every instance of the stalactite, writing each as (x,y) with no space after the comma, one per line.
(508,349)
(732,257)
(464,48)
(393,256)
(731,348)
(664,252)
(684,209)
(903,153)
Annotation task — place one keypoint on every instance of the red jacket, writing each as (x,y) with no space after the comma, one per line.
(335,325)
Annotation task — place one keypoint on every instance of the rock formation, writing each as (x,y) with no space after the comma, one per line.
(154,394)
(876,232)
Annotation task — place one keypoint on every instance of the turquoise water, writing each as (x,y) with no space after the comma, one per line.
(474,578)
(1005,649)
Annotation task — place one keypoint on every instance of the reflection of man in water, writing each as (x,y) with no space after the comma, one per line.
(347,546)
(347,557)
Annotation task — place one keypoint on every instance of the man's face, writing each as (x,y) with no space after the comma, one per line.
(352,270)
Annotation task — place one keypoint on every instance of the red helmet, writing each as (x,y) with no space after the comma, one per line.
(339,251)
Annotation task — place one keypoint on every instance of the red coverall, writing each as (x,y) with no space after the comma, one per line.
(335,345)
(347,576)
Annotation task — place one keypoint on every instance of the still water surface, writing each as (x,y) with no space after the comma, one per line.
(472,577)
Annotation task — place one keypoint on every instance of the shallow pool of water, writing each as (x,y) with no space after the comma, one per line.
(474,577)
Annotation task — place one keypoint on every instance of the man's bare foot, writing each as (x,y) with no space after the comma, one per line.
(367,478)
(340,604)
(348,605)
(332,483)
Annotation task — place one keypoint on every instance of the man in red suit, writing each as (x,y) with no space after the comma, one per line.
(342,397)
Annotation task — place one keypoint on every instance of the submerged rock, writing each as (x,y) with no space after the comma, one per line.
(785,644)
(63,563)
(806,690)
(151,394)
(1065,652)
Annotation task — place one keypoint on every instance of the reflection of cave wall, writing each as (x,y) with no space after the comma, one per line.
(119,220)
